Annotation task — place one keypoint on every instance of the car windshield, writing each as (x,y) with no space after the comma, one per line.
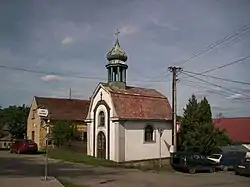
(215,156)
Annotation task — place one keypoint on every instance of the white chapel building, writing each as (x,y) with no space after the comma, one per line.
(124,122)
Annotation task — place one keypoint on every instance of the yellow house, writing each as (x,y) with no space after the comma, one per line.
(74,110)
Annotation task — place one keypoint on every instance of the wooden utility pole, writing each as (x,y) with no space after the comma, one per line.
(175,71)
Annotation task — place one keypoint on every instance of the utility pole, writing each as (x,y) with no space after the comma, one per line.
(70,93)
(175,71)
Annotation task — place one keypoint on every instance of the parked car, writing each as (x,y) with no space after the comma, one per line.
(215,157)
(243,168)
(23,146)
(192,162)
(226,161)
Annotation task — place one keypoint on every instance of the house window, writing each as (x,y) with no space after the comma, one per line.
(149,133)
(101,118)
(33,114)
(33,135)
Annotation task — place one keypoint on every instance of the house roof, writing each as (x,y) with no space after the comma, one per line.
(65,109)
(139,103)
(238,129)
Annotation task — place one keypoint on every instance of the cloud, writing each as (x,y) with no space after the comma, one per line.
(128,30)
(50,78)
(67,40)
(236,96)
(158,23)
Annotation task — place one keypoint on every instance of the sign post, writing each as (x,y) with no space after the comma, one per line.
(160,135)
(43,113)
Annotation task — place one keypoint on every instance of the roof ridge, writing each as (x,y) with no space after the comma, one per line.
(143,95)
(60,98)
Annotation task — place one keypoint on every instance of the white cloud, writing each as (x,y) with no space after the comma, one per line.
(67,40)
(158,23)
(128,30)
(49,78)
(235,96)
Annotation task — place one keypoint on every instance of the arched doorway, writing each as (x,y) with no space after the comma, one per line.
(101,145)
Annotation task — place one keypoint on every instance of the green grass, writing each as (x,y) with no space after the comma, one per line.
(66,155)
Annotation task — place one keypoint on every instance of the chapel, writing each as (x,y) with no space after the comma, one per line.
(127,123)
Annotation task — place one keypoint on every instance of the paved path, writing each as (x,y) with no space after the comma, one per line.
(29,181)
(33,166)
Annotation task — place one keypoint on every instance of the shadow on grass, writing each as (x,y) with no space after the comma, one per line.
(66,155)
(67,183)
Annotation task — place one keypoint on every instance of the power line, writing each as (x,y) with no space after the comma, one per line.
(224,95)
(200,83)
(212,46)
(219,78)
(233,91)
(65,75)
(228,64)
(224,65)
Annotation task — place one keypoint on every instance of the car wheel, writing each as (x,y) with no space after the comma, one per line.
(191,170)
(212,170)
(11,151)
(236,173)
(225,168)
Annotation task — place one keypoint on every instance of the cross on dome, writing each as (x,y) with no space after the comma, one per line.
(117,33)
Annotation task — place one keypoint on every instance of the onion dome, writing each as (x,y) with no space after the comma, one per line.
(117,53)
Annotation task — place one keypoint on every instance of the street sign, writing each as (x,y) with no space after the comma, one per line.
(160,131)
(42,112)
(171,149)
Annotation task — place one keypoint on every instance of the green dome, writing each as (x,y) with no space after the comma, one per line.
(117,53)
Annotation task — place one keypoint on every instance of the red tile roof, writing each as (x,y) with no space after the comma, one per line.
(65,109)
(139,103)
(238,129)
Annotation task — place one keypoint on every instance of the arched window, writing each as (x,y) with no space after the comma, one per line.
(101,118)
(149,134)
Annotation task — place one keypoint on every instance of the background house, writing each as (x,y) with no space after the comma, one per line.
(73,110)
(238,129)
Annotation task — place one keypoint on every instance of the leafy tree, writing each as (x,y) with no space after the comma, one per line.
(197,128)
(1,122)
(189,122)
(62,132)
(15,117)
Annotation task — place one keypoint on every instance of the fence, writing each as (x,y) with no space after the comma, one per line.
(5,144)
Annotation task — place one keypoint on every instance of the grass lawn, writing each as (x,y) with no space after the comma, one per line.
(67,155)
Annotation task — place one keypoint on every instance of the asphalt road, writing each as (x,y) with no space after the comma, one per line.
(13,165)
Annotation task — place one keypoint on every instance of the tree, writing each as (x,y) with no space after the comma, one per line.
(197,128)
(1,122)
(15,117)
(189,123)
(62,131)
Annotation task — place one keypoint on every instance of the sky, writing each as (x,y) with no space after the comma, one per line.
(66,42)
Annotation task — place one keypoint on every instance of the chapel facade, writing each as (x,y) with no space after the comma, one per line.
(126,123)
